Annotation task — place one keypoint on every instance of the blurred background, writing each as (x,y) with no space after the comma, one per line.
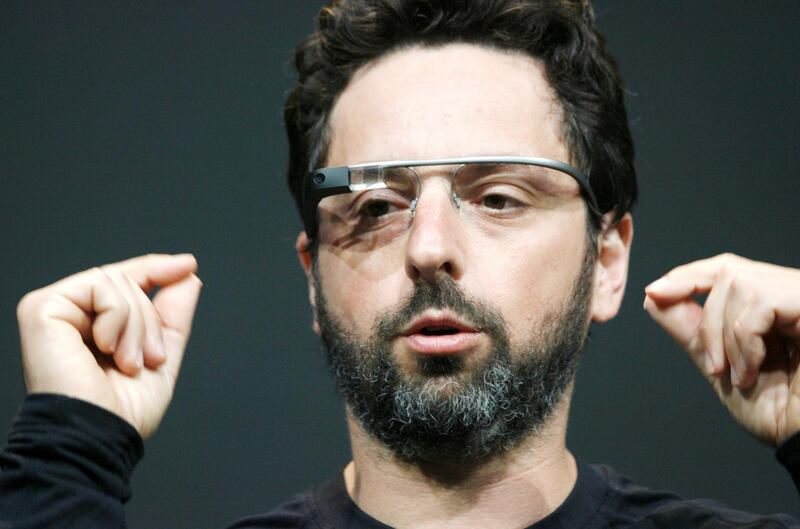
(156,127)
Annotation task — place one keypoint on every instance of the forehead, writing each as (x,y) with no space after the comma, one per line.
(447,101)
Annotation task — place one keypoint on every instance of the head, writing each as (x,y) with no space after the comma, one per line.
(403,79)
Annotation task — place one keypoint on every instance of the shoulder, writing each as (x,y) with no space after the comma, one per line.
(294,513)
(632,505)
(323,506)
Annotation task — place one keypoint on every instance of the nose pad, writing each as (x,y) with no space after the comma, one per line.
(454,198)
(433,248)
(413,206)
(453,195)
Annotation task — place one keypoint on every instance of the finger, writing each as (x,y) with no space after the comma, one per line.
(753,351)
(749,329)
(112,311)
(787,314)
(147,271)
(710,333)
(176,304)
(117,323)
(681,320)
(96,307)
(128,356)
(152,270)
(793,405)
(735,352)
(683,281)
(153,346)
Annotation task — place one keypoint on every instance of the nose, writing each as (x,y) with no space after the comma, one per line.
(434,242)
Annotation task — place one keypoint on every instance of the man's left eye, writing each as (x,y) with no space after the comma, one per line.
(498,202)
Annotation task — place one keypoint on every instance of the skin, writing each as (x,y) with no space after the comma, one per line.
(97,336)
(745,339)
(431,103)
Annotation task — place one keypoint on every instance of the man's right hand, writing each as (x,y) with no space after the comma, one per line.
(97,336)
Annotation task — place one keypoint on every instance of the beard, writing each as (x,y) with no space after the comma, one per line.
(448,410)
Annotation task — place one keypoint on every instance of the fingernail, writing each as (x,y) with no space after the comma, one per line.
(139,359)
(658,284)
(734,377)
(709,363)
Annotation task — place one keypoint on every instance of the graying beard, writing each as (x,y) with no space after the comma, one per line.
(471,417)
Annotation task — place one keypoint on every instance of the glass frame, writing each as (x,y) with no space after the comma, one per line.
(327,181)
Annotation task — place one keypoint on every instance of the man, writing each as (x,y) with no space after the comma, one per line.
(453,296)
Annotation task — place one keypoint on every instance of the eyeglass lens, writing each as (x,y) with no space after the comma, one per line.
(384,200)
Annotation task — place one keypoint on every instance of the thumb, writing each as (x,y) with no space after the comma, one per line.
(681,320)
(176,304)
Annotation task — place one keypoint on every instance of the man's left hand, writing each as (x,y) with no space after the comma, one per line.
(745,338)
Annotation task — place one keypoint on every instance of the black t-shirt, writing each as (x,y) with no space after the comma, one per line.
(68,464)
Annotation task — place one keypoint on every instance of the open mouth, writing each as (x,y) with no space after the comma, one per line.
(438,331)
(441,333)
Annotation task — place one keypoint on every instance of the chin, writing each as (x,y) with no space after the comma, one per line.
(442,376)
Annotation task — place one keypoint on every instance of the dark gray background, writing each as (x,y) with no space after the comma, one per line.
(126,130)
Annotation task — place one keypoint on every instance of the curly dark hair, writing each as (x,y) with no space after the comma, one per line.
(560,33)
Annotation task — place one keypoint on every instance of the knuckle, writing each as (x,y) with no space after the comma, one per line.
(727,270)
(35,307)
(120,305)
(125,309)
(705,333)
(135,313)
(125,277)
(745,291)
(740,331)
(28,304)
(738,281)
(108,274)
(104,341)
(752,299)
(103,275)
(151,315)
(751,359)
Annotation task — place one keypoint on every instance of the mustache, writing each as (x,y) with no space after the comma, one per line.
(444,294)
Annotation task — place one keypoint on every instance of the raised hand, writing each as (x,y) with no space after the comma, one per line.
(97,336)
(745,338)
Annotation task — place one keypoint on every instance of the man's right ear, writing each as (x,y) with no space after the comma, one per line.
(303,247)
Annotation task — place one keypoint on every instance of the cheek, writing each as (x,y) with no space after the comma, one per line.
(531,279)
(357,288)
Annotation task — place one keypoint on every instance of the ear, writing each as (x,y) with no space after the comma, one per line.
(302,246)
(611,268)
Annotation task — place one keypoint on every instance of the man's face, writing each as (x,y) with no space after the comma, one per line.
(452,101)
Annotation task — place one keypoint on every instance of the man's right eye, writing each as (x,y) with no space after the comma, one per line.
(377,208)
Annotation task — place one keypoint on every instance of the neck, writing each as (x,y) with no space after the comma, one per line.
(515,489)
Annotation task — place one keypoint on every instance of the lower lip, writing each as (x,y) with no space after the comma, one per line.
(442,344)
